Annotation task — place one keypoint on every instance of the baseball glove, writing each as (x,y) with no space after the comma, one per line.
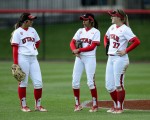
(78,44)
(107,47)
(17,72)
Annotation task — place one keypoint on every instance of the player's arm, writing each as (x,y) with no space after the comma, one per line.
(73,47)
(95,42)
(15,53)
(37,44)
(89,47)
(72,44)
(106,40)
(134,43)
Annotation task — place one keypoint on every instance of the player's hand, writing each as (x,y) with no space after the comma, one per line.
(77,55)
(121,53)
(75,51)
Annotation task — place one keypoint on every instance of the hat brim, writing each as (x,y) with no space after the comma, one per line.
(83,18)
(115,14)
(89,18)
(112,14)
(31,17)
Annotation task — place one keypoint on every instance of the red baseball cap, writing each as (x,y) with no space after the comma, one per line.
(115,14)
(27,16)
(87,16)
(31,17)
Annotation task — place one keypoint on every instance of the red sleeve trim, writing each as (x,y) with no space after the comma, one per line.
(96,42)
(134,43)
(132,39)
(37,44)
(15,54)
(14,44)
(88,48)
(72,44)
(105,40)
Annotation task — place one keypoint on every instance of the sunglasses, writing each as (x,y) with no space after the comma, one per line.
(117,13)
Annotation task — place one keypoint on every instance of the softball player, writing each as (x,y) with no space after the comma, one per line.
(119,35)
(25,42)
(85,59)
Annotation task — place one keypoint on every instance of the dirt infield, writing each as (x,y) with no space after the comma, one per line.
(128,104)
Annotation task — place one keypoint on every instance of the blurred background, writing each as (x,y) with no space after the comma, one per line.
(58,20)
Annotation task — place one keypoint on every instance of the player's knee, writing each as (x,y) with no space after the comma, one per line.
(23,84)
(38,86)
(110,88)
(75,85)
(91,85)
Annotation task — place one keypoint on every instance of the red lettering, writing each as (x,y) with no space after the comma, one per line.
(24,41)
(113,36)
(86,40)
(28,39)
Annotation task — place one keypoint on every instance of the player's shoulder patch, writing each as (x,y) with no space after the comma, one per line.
(80,30)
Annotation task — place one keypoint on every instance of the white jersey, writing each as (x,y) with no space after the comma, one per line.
(26,41)
(119,38)
(87,37)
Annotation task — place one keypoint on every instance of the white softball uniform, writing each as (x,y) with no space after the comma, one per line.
(87,60)
(116,65)
(27,55)
(26,40)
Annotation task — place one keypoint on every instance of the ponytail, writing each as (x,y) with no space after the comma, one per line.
(17,25)
(125,19)
(95,24)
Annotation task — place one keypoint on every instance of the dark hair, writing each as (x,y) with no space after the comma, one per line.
(91,18)
(17,25)
(23,17)
(95,24)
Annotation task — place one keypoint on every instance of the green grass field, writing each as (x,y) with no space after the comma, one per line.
(58,96)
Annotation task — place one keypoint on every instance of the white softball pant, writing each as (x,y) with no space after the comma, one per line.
(87,63)
(30,66)
(115,72)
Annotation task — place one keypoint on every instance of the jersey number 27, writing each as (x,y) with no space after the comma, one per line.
(116,45)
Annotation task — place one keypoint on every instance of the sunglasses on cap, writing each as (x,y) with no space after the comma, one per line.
(116,14)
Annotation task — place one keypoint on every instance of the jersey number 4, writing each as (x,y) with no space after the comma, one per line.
(116,45)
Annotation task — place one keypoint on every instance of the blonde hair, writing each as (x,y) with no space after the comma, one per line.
(125,20)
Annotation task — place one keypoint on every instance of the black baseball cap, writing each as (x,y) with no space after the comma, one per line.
(27,16)
(87,16)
